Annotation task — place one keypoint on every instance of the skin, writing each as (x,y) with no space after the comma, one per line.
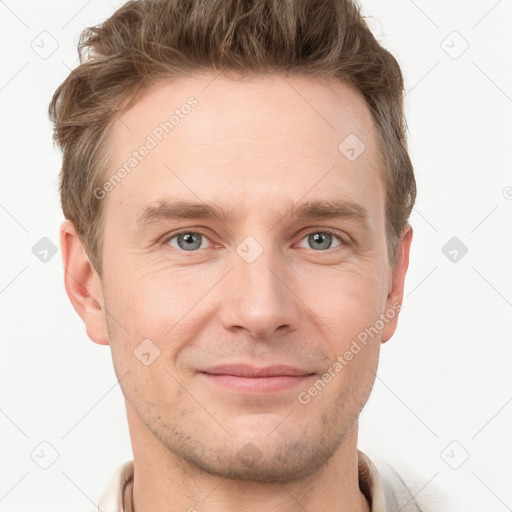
(255,147)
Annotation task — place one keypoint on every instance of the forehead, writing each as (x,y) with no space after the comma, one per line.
(269,138)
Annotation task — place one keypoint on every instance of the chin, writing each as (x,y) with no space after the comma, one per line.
(260,458)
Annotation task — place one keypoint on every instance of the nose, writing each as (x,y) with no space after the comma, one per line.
(258,297)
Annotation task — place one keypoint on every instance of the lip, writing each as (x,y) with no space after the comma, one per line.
(245,378)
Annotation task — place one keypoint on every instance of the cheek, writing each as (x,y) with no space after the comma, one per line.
(172,305)
(144,313)
(150,303)
(163,307)
(349,302)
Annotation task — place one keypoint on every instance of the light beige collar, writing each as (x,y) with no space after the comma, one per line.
(117,497)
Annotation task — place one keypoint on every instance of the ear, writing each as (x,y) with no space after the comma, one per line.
(83,285)
(396,284)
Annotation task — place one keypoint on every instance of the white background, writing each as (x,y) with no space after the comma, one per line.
(444,377)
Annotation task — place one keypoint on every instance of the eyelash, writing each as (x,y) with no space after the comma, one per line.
(336,235)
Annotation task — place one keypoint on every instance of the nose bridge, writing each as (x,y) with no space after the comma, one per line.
(257,297)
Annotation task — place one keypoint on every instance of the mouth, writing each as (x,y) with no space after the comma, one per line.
(244,378)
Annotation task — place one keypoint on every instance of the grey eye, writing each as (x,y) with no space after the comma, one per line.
(189,241)
(322,240)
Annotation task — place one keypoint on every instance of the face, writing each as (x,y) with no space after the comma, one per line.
(245,270)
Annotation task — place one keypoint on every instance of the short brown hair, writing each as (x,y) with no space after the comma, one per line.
(145,41)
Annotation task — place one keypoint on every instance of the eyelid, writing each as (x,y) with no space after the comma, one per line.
(335,233)
(167,238)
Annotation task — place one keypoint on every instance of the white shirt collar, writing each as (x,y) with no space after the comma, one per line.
(113,497)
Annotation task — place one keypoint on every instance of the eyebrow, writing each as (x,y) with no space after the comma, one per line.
(309,210)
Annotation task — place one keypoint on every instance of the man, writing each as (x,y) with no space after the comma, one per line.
(237,190)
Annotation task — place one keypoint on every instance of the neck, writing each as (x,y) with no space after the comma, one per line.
(164,482)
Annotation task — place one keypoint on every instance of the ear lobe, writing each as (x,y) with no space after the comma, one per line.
(83,284)
(396,284)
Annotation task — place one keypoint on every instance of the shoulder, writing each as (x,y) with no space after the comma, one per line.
(112,498)
(405,492)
